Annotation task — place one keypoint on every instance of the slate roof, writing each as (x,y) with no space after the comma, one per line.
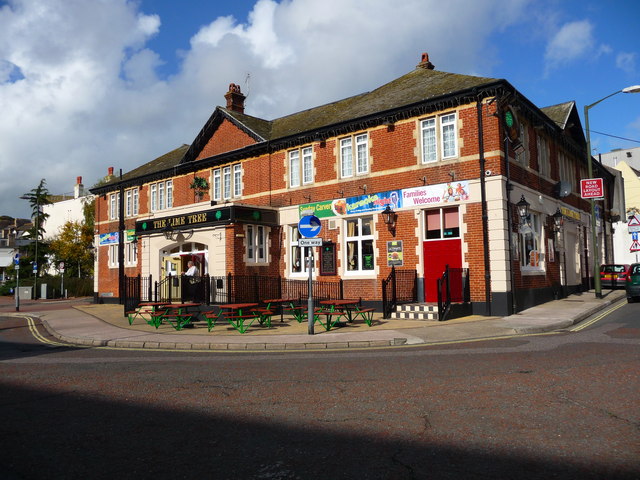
(417,86)
(559,113)
(164,162)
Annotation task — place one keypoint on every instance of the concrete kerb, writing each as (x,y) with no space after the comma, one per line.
(77,329)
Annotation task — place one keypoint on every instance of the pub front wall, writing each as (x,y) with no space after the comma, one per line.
(394,163)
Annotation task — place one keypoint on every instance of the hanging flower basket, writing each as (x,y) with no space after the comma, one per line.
(200,185)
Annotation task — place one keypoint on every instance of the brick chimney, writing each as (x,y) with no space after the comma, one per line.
(235,98)
(425,63)
(78,190)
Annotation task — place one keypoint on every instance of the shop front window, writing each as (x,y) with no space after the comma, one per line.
(359,243)
(298,264)
(531,255)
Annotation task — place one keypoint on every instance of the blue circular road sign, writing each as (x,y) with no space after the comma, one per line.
(309,226)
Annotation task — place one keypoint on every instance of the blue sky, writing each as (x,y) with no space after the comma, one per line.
(89,84)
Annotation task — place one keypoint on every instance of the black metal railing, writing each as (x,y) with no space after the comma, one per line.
(453,287)
(399,287)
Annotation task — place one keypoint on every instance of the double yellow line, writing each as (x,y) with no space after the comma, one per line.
(583,325)
(34,331)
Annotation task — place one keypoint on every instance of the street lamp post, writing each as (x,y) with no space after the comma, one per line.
(594,235)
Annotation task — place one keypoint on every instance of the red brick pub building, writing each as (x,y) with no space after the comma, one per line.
(429,146)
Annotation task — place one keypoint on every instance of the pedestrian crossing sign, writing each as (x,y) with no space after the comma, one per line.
(635,246)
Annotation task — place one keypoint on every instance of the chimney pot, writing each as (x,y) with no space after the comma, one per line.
(78,180)
(110,170)
(235,98)
(425,63)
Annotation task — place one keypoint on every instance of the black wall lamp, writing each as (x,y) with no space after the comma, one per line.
(176,235)
(390,217)
(523,209)
(558,221)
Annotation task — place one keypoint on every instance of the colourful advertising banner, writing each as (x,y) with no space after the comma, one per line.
(329,208)
(434,194)
(375,202)
(108,238)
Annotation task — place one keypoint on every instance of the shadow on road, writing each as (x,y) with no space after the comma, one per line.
(62,435)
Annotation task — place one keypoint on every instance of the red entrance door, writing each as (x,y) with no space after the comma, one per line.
(437,255)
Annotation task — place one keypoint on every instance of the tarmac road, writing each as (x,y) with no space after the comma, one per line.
(561,405)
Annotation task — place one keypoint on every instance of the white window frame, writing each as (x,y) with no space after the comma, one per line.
(131,203)
(449,135)
(359,240)
(226,183)
(169,193)
(237,180)
(131,254)
(112,253)
(136,201)
(439,137)
(217,184)
(153,194)
(257,244)
(294,168)
(307,165)
(114,206)
(357,162)
(296,253)
(531,245)
(161,194)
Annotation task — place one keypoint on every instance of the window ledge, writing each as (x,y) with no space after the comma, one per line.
(530,271)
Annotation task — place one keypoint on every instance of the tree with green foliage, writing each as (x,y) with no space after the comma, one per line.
(73,247)
(37,197)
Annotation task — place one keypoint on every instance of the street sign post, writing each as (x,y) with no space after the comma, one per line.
(592,188)
(16,261)
(310,242)
(309,226)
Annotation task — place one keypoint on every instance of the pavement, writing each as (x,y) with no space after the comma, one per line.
(79,322)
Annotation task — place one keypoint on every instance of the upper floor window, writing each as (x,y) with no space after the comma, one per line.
(300,170)
(227,182)
(359,242)
(237,180)
(161,194)
(441,131)
(114,206)
(522,152)
(131,202)
(544,163)
(567,170)
(357,161)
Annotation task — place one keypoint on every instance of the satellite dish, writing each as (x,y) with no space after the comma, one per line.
(562,189)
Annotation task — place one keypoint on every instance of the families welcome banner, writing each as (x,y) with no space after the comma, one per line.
(409,197)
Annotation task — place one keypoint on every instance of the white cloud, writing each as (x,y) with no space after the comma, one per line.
(79,89)
(572,41)
(626,62)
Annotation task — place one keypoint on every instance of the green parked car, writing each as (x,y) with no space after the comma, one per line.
(632,285)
